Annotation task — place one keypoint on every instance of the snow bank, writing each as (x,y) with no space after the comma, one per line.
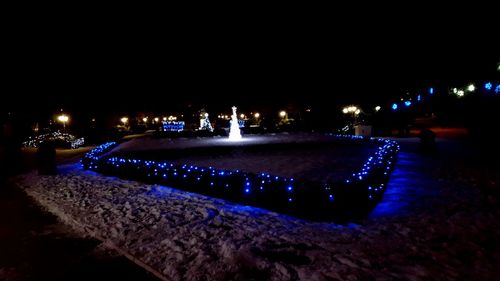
(187,236)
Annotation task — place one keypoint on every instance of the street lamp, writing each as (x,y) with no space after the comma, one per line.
(352,109)
(124,120)
(471,88)
(63,119)
(282,114)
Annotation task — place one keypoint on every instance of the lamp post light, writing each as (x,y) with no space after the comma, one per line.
(63,119)
(352,110)
(124,120)
(471,88)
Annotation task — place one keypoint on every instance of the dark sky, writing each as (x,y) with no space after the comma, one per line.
(175,63)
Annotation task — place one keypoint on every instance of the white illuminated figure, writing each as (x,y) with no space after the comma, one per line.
(205,122)
(234,131)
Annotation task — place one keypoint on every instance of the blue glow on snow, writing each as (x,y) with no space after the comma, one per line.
(407,187)
(377,166)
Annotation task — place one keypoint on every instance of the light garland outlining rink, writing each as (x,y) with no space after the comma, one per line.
(362,188)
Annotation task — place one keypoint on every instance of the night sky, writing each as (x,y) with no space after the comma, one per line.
(222,64)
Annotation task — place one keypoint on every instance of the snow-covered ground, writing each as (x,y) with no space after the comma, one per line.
(428,227)
(308,157)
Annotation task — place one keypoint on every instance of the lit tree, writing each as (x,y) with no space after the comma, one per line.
(205,122)
(234,131)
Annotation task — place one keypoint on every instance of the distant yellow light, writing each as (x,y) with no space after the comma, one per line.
(377,108)
(242,116)
(145,119)
(256,115)
(348,109)
(164,118)
(357,111)
(124,120)
(282,113)
(63,118)
(471,88)
(157,119)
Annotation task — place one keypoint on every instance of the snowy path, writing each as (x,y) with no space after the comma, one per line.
(442,230)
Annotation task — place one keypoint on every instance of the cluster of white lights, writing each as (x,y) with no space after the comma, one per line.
(351,109)
(458,92)
(69,139)
(256,115)
(77,143)
(251,188)
(154,120)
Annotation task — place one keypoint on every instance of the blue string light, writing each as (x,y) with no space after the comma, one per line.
(488,86)
(394,106)
(369,180)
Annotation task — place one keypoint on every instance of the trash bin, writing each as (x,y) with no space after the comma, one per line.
(46,158)
(427,141)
